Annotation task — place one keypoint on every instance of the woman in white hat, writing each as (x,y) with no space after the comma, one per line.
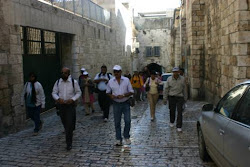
(87,87)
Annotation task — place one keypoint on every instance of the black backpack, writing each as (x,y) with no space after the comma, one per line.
(107,74)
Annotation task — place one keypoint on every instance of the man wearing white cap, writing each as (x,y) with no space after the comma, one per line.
(119,90)
(175,93)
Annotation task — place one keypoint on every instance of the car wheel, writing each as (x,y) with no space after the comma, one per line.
(202,147)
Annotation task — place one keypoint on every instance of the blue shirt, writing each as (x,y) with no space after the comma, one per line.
(119,89)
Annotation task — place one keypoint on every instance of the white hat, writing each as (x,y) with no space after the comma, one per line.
(175,69)
(85,73)
(83,69)
(117,67)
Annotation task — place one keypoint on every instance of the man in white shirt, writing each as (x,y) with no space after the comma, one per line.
(65,92)
(101,79)
(119,90)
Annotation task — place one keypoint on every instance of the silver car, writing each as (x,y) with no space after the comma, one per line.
(224,131)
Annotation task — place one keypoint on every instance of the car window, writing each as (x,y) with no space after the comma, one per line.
(230,100)
(243,112)
(165,77)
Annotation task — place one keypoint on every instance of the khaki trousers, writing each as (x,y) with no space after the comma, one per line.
(152,98)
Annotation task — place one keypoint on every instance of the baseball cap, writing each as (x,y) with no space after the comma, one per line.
(175,69)
(83,69)
(117,67)
(85,73)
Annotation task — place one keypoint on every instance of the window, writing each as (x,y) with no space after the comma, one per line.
(148,51)
(99,33)
(94,32)
(34,41)
(230,100)
(37,42)
(157,51)
(243,113)
(49,42)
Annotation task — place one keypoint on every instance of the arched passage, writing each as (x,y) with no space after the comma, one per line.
(155,67)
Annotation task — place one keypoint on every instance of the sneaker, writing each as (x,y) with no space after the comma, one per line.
(35,133)
(179,130)
(152,119)
(118,143)
(105,120)
(127,141)
(171,125)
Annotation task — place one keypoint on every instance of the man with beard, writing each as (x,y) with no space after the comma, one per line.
(65,92)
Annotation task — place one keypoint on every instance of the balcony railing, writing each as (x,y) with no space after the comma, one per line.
(84,8)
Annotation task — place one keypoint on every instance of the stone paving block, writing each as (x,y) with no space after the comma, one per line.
(153,143)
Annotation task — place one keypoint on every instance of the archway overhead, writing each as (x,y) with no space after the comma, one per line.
(154,66)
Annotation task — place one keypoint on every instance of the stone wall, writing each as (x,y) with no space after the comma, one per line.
(218,34)
(153,32)
(11,76)
(85,42)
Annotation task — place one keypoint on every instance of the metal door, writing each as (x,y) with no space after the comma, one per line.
(41,55)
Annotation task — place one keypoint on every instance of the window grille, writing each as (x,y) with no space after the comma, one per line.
(148,51)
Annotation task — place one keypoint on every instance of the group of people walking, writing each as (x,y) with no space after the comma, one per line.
(115,89)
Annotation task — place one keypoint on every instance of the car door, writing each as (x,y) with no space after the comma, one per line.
(217,122)
(237,135)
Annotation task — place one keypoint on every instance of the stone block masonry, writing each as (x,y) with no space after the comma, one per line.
(84,43)
(218,34)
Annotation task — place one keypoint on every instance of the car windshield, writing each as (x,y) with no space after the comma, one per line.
(165,77)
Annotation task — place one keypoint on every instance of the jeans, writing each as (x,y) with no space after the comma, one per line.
(68,117)
(119,109)
(34,114)
(104,102)
(176,102)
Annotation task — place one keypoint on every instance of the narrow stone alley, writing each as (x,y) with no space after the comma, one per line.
(153,143)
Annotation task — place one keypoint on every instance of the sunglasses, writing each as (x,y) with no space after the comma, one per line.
(117,71)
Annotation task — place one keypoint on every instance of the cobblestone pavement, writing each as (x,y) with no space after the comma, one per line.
(153,143)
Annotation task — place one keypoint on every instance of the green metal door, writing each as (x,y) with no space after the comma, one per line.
(41,55)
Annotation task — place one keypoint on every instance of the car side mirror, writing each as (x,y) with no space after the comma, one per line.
(208,107)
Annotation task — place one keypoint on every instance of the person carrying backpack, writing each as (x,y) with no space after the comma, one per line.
(101,79)
(34,99)
(65,92)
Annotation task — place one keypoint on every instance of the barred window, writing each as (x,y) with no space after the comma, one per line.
(148,51)
(157,51)
(37,42)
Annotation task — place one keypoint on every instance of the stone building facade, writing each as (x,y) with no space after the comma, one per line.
(83,42)
(216,49)
(153,37)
